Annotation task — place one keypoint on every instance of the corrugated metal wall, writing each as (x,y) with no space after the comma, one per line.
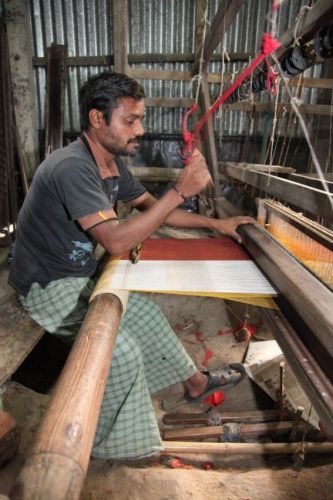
(155,26)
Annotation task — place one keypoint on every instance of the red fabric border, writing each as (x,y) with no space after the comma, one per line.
(192,249)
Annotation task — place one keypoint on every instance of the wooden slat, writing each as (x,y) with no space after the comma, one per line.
(169,102)
(314,83)
(157,74)
(154,74)
(186,76)
(260,107)
(146,58)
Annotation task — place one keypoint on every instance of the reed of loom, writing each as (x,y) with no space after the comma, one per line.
(307,240)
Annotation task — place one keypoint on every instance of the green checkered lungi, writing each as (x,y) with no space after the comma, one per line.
(147,358)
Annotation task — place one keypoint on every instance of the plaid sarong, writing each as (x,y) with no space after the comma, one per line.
(147,358)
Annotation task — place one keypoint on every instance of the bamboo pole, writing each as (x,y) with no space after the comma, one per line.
(244,448)
(242,416)
(59,458)
(216,431)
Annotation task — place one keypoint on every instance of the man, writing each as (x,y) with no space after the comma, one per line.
(71,206)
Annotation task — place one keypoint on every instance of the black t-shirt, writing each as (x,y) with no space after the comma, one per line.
(50,244)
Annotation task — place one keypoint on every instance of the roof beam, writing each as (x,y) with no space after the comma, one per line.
(226,14)
(320,14)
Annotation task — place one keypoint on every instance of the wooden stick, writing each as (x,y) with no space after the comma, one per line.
(60,455)
(243,448)
(249,416)
(281,389)
(215,431)
(296,422)
(156,174)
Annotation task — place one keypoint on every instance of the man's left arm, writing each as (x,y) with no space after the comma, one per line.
(180,218)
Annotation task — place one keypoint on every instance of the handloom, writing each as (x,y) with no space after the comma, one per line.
(302,325)
(211,267)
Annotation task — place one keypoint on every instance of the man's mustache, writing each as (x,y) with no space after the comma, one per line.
(135,141)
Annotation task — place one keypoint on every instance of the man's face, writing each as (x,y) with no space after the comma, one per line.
(122,135)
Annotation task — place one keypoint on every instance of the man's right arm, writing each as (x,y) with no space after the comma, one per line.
(120,238)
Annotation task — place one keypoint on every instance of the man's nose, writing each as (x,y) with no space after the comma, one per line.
(139,129)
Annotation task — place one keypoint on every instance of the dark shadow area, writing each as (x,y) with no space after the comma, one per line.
(40,370)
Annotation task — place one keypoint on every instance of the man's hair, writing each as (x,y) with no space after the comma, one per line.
(102,91)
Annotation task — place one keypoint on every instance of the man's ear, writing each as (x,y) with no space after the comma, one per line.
(96,118)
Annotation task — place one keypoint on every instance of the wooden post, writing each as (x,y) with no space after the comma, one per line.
(55,96)
(208,128)
(59,458)
(204,101)
(120,35)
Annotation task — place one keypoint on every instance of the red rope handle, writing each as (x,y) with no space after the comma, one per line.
(268,46)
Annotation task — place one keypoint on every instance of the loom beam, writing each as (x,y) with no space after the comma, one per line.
(310,375)
(309,199)
(304,327)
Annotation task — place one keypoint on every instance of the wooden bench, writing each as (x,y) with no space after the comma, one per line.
(18,336)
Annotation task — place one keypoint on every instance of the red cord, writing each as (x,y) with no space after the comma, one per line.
(269,45)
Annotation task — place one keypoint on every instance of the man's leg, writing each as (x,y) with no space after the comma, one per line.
(147,358)
(60,307)
(127,426)
(165,359)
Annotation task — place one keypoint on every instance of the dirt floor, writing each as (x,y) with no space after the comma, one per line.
(205,328)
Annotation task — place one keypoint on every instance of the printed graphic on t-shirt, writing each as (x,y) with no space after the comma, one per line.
(114,194)
(81,253)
